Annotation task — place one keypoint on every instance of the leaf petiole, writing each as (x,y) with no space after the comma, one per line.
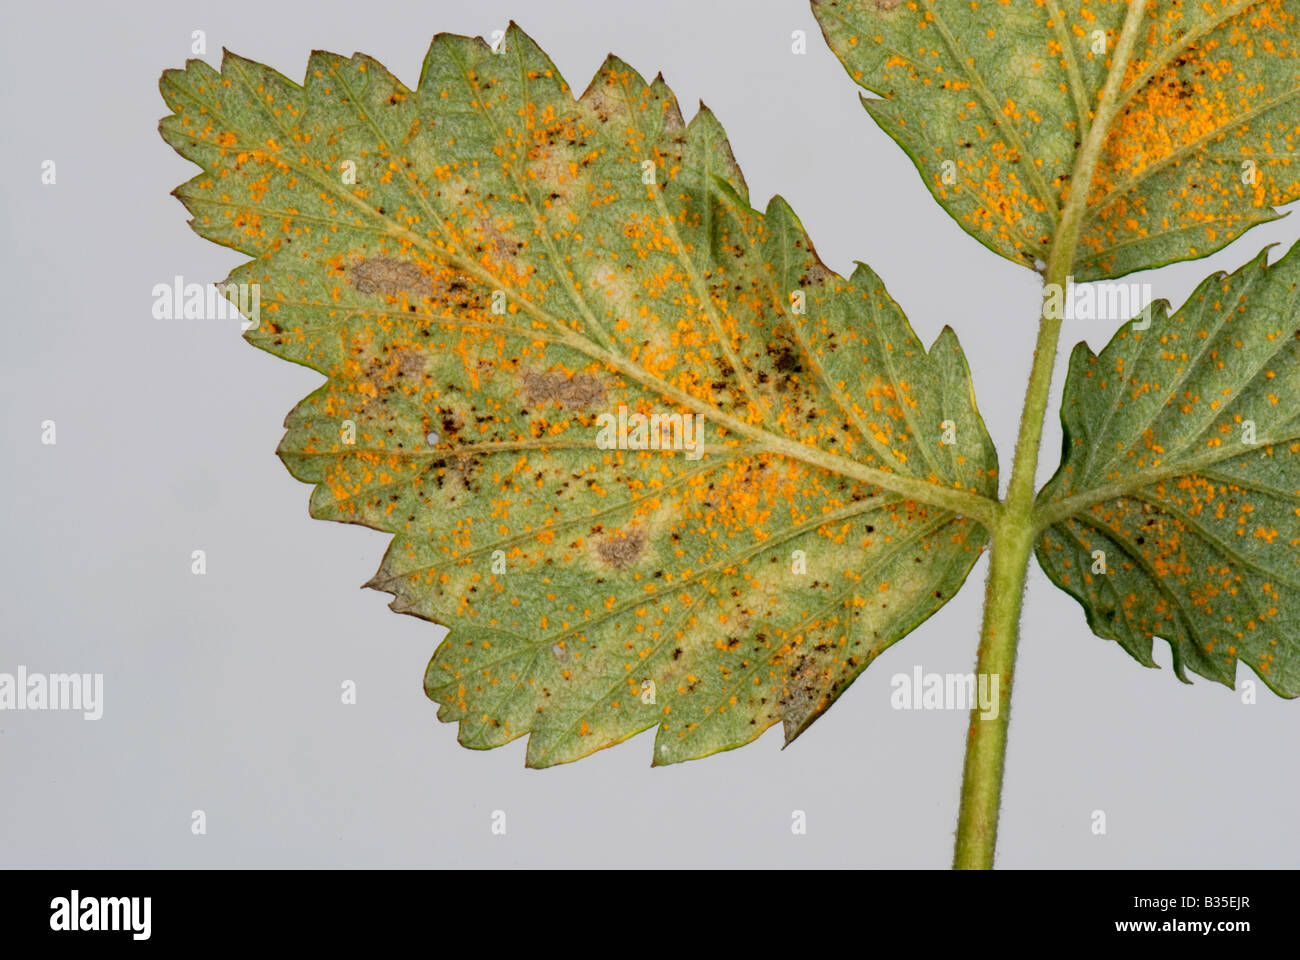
(1013,533)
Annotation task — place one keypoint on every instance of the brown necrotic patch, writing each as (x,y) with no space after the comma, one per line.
(492,240)
(578,392)
(817,274)
(622,548)
(785,356)
(457,290)
(805,694)
(411,364)
(456,475)
(388,276)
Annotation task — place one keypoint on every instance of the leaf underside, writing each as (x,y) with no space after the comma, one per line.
(497,277)
(1198,526)
(991,100)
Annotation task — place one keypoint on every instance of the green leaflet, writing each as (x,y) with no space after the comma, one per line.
(511,265)
(992,99)
(1181,465)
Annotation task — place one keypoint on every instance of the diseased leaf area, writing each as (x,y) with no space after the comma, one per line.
(510,264)
(1181,475)
(991,99)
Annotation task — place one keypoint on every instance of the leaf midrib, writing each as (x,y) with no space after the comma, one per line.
(1050,512)
(976,80)
(741,681)
(859,508)
(973,505)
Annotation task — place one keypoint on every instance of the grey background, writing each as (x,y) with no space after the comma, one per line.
(222,691)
